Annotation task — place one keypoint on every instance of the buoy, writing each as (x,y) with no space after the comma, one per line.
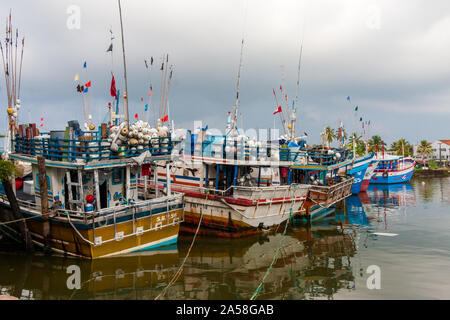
(91,126)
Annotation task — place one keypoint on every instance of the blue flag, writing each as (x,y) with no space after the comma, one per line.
(85,90)
(146,107)
(84,65)
(348,98)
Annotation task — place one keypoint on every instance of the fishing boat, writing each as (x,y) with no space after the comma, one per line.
(393,169)
(233,185)
(84,199)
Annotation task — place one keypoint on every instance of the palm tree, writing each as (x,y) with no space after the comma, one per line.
(329,135)
(376,143)
(401,147)
(359,143)
(425,149)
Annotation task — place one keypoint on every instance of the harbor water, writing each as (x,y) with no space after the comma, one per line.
(392,242)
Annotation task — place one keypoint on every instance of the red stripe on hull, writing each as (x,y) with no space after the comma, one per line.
(364,185)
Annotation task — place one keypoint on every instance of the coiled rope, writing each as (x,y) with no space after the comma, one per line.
(180,270)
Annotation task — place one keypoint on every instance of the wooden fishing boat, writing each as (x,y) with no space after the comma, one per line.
(95,208)
(236,189)
(83,199)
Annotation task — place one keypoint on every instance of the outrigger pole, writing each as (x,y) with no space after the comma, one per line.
(125,94)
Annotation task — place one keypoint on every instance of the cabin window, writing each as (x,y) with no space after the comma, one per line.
(117,176)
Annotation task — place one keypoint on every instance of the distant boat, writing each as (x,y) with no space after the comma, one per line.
(393,169)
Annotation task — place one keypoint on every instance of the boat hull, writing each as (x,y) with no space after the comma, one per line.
(108,238)
(368,176)
(393,177)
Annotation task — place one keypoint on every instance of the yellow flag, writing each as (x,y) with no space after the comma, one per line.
(77,77)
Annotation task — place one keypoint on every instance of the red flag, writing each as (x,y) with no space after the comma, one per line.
(136,116)
(274,92)
(88,85)
(113,88)
(281,88)
(285,97)
(278,110)
(142,99)
(150,93)
(165,119)
(42,119)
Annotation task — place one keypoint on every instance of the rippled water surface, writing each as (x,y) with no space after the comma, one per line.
(402,229)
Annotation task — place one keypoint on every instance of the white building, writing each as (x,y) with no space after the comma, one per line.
(443,154)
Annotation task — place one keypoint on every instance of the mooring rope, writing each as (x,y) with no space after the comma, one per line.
(180,270)
(274,260)
(275,257)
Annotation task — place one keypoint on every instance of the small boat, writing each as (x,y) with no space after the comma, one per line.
(393,169)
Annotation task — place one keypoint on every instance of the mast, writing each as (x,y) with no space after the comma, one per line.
(236,105)
(125,94)
(294,110)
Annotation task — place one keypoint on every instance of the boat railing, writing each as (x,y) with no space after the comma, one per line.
(398,165)
(312,157)
(95,148)
(249,192)
(329,195)
(169,202)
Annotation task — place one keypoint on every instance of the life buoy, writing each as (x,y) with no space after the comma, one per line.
(385,174)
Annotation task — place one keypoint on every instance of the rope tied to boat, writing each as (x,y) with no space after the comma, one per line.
(274,260)
(180,270)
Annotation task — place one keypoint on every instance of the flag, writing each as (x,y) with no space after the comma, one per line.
(360,119)
(146,65)
(151,61)
(278,110)
(136,116)
(88,85)
(80,88)
(150,93)
(77,77)
(42,119)
(162,66)
(165,119)
(110,48)
(281,88)
(348,98)
(85,90)
(142,99)
(113,90)
(274,92)
(146,107)
(305,133)
(356,108)
(84,65)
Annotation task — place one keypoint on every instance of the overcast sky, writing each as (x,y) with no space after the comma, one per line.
(390,57)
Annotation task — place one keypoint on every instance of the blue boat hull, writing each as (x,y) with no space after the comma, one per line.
(358,173)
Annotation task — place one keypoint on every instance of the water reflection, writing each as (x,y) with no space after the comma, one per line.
(313,263)
(324,261)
